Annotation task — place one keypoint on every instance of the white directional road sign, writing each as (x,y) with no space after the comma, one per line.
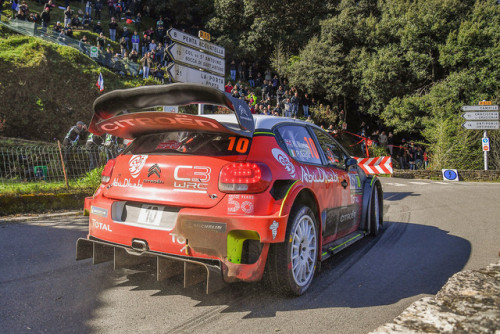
(183,73)
(481,115)
(197,59)
(481,125)
(195,42)
(480,108)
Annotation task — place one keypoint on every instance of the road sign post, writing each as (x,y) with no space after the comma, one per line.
(196,60)
(183,73)
(482,117)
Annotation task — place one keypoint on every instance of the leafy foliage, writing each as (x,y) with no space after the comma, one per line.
(412,64)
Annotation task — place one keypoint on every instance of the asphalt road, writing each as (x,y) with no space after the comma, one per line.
(432,230)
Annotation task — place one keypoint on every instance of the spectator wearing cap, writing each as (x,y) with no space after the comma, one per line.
(98,28)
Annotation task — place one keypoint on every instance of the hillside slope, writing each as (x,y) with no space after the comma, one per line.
(46,88)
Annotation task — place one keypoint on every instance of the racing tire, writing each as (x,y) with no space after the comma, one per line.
(291,264)
(376,219)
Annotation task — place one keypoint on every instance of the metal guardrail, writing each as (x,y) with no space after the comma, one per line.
(37,163)
(31,29)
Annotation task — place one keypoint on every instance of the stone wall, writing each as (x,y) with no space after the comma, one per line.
(463,175)
(468,303)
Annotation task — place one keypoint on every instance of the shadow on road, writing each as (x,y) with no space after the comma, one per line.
(404,261)
(397,196)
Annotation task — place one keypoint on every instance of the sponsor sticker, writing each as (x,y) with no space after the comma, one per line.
(136,163)
(99,211)
(207,226)
(282,158)
(318,175)
(100,226)
(240,204)
(169,145)
(274,228)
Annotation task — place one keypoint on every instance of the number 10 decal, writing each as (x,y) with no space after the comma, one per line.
(241,144)
(312,147)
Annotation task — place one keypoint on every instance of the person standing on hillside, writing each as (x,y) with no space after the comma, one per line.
(45,17)
(136,39)
(97,10)
(74,134)
(294,101)
(92,146)
(306,101)
(68,15)
(146,65)
(112,29)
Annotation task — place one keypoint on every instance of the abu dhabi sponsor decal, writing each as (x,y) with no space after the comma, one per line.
(282,158)
(240,204)
(127,183)
(100,226)
(136,163)
(318,175)
(191,178)
(98,211)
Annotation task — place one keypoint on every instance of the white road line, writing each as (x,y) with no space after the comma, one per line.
(395,184)
(419,183)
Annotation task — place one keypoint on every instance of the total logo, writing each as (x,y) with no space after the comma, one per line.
(136,163)
(100,226)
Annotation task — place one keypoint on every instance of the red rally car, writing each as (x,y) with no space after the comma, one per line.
(234,196)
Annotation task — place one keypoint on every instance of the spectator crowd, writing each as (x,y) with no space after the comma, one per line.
(126,39)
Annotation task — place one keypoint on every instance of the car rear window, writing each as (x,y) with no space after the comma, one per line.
(190,142)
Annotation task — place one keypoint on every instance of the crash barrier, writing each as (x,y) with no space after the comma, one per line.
(110,61)
(37,163)
(378,165)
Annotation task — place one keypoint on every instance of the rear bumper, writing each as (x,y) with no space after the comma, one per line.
(214,273)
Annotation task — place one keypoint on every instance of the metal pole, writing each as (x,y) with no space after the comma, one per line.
(63,166)
(485,135)
(201,109)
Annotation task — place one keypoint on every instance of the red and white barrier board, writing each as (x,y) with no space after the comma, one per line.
(377,165)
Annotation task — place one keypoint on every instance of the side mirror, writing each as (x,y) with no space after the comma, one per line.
(351,162)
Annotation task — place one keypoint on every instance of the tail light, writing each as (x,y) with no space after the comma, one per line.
(247,177)
(106,173)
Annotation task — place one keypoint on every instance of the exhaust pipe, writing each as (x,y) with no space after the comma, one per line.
(140,245)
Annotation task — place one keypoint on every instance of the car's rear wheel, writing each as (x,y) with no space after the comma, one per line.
(375,213)
(291,264)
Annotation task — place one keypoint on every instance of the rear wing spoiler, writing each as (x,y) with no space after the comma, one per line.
(111,104)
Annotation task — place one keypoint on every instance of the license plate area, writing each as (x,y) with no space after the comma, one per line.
(152,216)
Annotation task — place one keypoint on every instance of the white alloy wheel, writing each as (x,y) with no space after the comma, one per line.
(303,250)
